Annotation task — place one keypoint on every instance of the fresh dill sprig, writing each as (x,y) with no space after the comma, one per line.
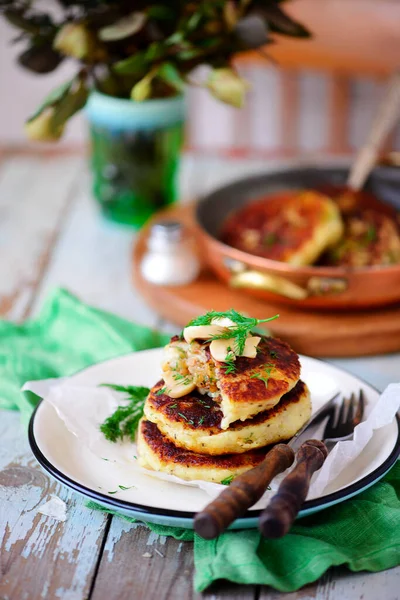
(125,420)
(227,480)
(229,362)
(239,333)
(189,421)
(184,379)
(203,403)
(161,391)
(264,375)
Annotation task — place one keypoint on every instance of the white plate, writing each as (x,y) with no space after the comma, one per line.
(62,455)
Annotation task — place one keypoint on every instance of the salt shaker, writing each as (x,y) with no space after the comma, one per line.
(170,258)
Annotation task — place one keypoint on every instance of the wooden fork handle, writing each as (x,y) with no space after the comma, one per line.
(242,493)
(277,518)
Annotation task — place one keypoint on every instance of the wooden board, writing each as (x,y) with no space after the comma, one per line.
(326,334)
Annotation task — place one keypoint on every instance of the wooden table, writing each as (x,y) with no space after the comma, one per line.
(51,234)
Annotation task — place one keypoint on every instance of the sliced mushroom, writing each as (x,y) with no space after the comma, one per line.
(222,349)
(178,388)
(202,332)
(250,347)
(206,332)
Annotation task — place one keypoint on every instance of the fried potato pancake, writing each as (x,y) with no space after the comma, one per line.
(194,421)
(295,227)
(255,384)
(157,453)
(371,238)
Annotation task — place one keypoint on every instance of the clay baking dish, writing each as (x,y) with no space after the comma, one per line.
(309,287)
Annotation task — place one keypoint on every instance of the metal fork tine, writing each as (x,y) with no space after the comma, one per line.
(342,409)
(345,417)
(350,410)
(360,408)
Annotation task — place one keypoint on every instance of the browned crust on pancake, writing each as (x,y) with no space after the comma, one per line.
(167,452)
(274,356)
(198,412)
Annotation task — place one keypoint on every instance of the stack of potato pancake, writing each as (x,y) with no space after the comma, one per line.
(212,419)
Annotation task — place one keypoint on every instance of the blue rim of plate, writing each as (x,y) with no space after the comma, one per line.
(249,519)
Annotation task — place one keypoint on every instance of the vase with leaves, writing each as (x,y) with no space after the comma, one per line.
(133,64)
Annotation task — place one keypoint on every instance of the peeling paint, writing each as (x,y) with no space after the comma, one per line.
(155,537)
(118,528)
(65,553)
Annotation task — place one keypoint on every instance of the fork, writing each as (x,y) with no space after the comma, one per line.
(276,520)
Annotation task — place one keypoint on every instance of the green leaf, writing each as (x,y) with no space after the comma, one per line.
(142,89)
(159,12)
(227,86)
(123,28)
(33,23)
(52,98)
(71,103)
(171,75)
(175,38)
(133,65)
(155,51)
(48,122)
(76,40)
(189,54)
(280,22)
(194,20)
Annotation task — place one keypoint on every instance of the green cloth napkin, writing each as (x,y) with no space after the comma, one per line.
(362,533)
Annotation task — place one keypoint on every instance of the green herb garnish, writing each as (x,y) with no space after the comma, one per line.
(229,362)
(184,379)
(265,375)
(203,402)
(239,333)
(125,420)
(270,239)
(371,234)
(173,405)
(273,354)
(123,487)
(201,421)
(227,480)
(113,492)
(161,391)
(190,421)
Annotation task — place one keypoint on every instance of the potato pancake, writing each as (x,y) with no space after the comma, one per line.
(253,386)
(257,384)
(194,421)
(157,453)
(371,238)
(295,227)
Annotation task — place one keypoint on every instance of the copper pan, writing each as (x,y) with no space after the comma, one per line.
(308,287)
